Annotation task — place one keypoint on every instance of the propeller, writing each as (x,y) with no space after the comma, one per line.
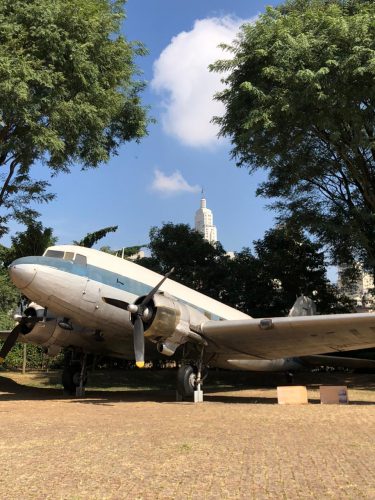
(140,313)
(10,341)
(24,325)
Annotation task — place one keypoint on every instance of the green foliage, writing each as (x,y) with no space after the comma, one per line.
(197,263)
(69,93)
(286,264)
(300,104)
(35,358)
(125,252)
(91,238)
(9,295)
(33,241)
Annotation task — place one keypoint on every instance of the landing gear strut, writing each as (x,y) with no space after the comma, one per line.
(289,378)
(74,374)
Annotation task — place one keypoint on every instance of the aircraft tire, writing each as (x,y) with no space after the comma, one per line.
(71,377)
(186,379)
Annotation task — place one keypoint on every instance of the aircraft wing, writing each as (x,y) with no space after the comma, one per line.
(273,338)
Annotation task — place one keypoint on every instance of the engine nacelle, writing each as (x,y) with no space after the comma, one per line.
(36,311)
(45,331)
(170,323)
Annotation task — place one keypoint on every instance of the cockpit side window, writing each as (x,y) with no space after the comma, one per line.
(68,255)
(57,254)
(81,260)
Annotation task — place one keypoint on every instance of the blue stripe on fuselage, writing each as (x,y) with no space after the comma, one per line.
(91,272)
(99,274)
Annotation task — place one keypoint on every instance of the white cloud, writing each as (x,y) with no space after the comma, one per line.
(182,77)
(172,184)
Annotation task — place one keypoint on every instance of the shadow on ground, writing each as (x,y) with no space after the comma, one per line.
(159,386)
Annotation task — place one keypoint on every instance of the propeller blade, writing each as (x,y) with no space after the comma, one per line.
(150,294)
(139,342)
(10,341)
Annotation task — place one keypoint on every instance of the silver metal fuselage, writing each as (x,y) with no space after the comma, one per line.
(71,282)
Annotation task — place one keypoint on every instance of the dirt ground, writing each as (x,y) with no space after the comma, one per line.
(141,444)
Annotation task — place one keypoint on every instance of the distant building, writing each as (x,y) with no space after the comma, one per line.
(359,290)
(204,222)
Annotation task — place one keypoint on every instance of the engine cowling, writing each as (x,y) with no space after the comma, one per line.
(170,322)
(45,331)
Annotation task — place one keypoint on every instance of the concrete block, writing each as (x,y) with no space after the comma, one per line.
(292,395)
(333,394)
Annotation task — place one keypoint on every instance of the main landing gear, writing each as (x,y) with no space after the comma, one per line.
(190,378)
(74,375)
(187,380)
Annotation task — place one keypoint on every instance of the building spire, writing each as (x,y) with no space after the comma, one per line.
(204,221)
(203,200)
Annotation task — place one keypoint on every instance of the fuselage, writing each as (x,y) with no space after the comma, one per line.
(71,282)
(94,302)
(71,277)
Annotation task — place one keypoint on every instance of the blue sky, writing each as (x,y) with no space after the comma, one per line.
(160,179)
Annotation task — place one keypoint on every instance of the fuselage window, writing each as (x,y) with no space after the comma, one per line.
(57,254)
(81,260)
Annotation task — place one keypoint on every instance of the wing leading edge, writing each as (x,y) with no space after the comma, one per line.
(273,338)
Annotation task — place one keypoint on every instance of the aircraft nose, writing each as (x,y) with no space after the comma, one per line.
(22,274)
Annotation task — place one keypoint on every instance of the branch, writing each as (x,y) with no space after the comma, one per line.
(12,168)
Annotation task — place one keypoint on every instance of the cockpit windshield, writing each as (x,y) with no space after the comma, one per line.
(77,258)
(54,253)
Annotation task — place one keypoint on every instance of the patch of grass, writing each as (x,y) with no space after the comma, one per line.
(185,447)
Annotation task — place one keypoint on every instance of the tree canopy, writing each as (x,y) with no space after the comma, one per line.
(285,264)
(90,239)
(197,263)
(263,282)
(33,241)
(300,104)
(69,93)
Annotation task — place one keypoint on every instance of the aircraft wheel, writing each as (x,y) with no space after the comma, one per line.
(71,377)
(186,380)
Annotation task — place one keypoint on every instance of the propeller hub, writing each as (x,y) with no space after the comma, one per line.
(147,313)
(133,308)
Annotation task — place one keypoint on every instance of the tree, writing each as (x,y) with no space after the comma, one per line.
(124,252)
(197,263)
(69,93)
(33,241)
(285,263)
(290,264)
(9,295)
(90,239)
(300,104)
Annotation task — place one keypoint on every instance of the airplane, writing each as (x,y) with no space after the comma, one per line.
(92,302)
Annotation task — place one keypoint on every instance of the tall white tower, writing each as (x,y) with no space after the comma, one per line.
(204,222)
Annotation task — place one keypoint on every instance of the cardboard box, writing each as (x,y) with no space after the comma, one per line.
(292,395)
(333,394)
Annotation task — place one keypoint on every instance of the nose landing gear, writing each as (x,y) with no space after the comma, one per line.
(74,375)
